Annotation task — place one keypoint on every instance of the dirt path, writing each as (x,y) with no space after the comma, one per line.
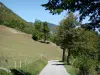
(54,67)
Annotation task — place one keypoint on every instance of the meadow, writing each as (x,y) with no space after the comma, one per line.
(18,49)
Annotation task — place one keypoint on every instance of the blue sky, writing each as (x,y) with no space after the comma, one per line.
(30,10)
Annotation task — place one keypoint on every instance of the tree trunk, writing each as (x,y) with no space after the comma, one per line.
(68,57)
(63,56)
(44,37)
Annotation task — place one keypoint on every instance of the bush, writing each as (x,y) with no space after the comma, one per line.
(35,36)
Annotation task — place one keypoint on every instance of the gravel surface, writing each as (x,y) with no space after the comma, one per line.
(54,67)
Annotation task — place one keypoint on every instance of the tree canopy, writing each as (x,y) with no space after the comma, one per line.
(65,34)
(89,8)
(46,30)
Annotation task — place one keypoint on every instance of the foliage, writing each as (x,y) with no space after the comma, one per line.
(45,27)
(99,49)
(71,70)
(46,30)
(65,30)
(37,33)
(38,25)
(65,33)
(36,36)
(41,28)
(84,50)
(89,8)
(53,38)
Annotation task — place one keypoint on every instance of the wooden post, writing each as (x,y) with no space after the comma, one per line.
(20,64)
(15,64)
(25,61)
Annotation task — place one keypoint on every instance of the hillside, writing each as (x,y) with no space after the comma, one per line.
(10,19)
(16,46)
(52,27)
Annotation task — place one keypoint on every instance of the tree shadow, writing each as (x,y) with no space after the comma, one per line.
(59,64)
(44,42)
(61,61)
(19,72)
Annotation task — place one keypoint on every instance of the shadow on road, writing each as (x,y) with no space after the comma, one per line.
(58,64)
(19,72)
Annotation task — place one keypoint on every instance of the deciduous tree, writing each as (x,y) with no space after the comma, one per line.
(46,30)
(89,8)
(65,34)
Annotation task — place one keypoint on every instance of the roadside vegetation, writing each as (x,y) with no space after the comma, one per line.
(79,42)
(80,46)
(33,68)
(71,70)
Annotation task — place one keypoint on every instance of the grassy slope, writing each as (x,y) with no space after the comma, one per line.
(35,67)
(16,47)
(11,19)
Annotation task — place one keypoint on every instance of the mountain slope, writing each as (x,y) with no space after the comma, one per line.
(10,19)
(52,27)
(16,46)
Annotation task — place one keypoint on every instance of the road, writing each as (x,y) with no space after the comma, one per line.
(54,67)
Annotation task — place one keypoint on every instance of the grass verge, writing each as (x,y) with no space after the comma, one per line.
(33,68)
(2,72)
(30,69)
(70,69)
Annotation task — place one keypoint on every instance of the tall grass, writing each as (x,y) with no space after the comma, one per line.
(71,70)
(32,68)
(3,72)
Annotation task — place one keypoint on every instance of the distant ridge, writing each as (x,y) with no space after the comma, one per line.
(51,25)
(10,19)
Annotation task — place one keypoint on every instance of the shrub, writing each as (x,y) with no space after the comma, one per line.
(35,36)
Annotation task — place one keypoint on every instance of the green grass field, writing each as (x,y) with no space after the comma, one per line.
(16,48)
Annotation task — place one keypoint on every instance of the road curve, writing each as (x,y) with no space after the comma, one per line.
(54,67)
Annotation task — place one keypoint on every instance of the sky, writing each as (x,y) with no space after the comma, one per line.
(30,10)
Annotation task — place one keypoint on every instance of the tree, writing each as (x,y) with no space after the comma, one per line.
(89,8)
(37,33)
(46,30)
(65,34)
(84,51)
(38,25)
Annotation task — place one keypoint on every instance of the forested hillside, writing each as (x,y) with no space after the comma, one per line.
(10,19)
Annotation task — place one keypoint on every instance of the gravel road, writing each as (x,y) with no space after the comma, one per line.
(54,67)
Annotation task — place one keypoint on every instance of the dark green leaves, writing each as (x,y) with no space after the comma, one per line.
(89,8)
